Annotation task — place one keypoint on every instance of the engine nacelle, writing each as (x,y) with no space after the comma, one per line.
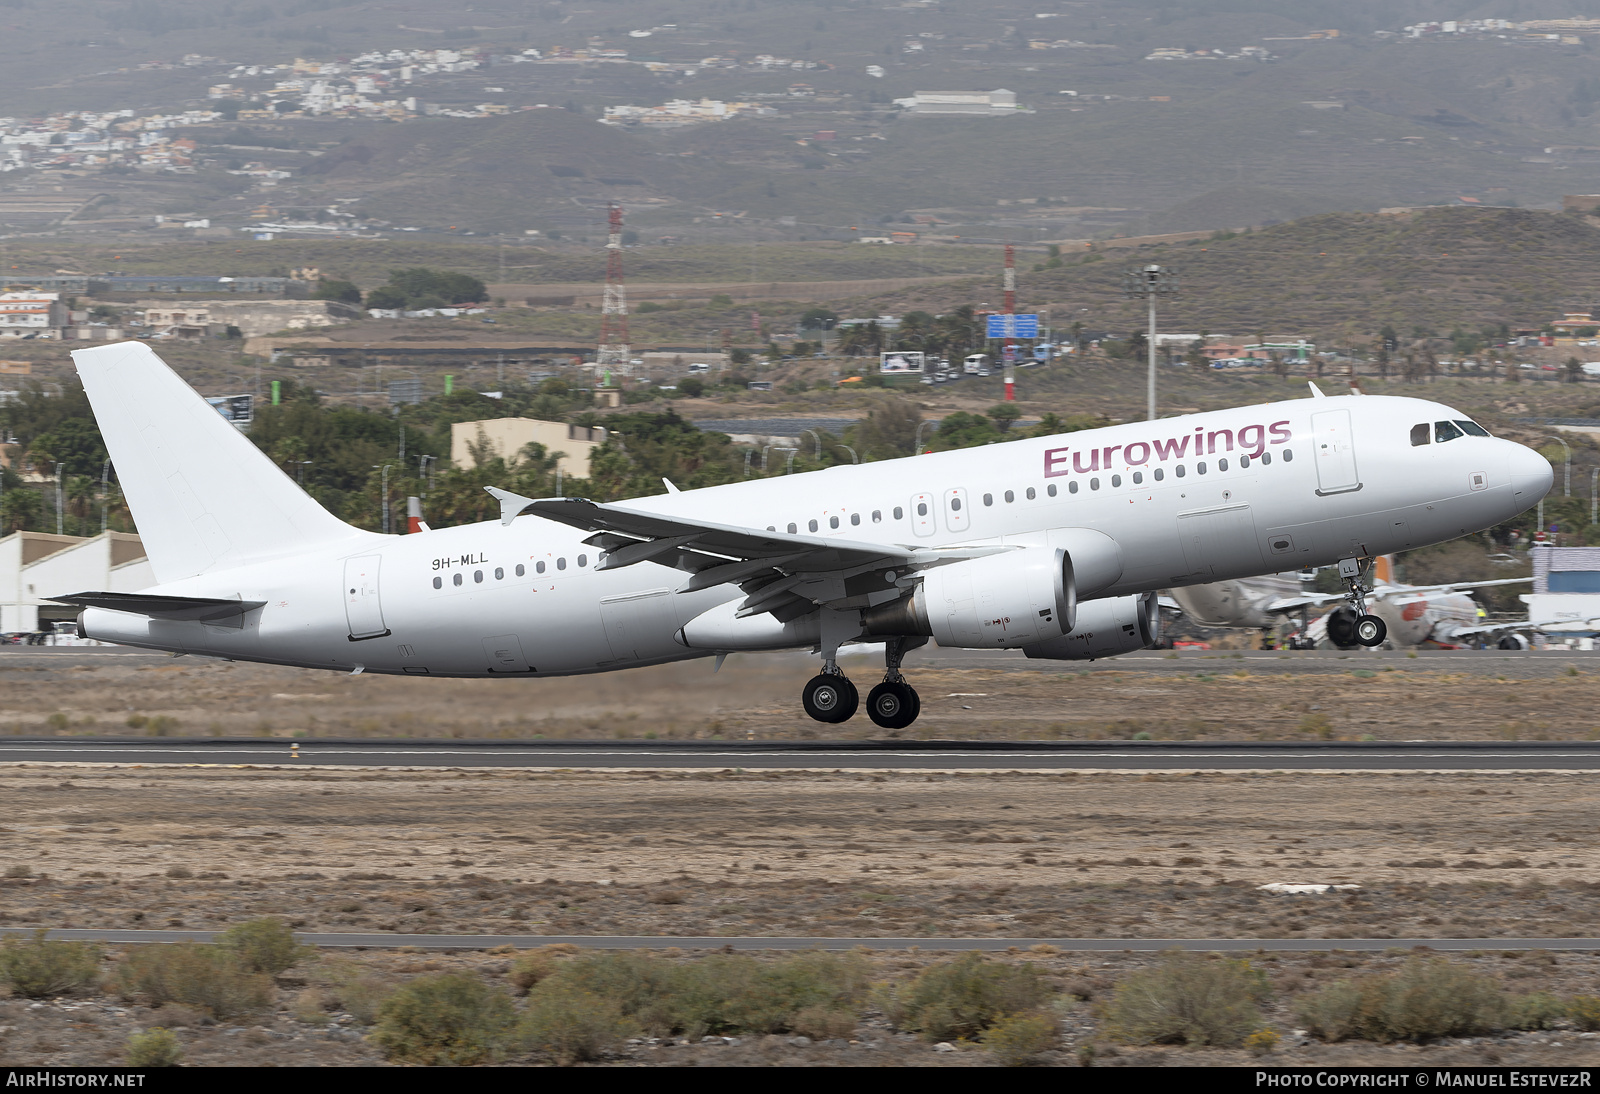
(998,602)
(1105,628)
(720,629)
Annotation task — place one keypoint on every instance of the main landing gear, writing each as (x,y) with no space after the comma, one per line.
(1364,628)
(831,697)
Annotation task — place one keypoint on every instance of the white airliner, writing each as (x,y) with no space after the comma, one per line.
(1415,615)
(1055,546)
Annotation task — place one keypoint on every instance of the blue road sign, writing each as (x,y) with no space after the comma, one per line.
(1013,326)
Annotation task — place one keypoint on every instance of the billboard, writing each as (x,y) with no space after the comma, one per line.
(1013,326)
(900,362)
(238,409)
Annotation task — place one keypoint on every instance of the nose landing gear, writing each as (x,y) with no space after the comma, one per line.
(1367,629)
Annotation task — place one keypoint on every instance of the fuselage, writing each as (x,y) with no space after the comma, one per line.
(1194,499)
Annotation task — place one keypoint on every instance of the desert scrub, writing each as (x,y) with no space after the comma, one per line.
(206,977)
(1188,999)
(264,945)
(571,1024)
(964,997)
(448,1018)
(1017,1040)
(37,968)
(154,1048)
(1584,1010)
(357,990)
(1427,998)
(1536,1010)
(530,968)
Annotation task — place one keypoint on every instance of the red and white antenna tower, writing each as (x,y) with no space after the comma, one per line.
(613,350)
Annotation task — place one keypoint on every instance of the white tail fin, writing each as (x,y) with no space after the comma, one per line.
(203,496)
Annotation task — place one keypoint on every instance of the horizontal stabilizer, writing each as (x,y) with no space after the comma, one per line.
(162,607)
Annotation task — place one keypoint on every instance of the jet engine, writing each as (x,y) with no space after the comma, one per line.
(999,602)
(1105,628)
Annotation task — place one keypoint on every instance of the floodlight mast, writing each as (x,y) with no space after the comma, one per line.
(1150,282)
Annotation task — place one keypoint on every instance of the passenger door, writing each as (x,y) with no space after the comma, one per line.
(1335,453)
(363,611)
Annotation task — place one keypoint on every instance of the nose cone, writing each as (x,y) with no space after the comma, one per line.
(1531,475)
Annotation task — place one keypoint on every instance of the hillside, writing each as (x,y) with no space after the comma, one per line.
(1334,276)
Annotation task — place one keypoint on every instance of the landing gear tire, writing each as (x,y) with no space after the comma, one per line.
(1342,628)
(830,697)
(893,705)
(1371,631)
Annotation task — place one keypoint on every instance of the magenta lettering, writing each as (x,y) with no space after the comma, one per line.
(1256,445)
(1227,438)
(1277,428)
(1055,463)
(1094,461)
(1173,449)
(1143,457)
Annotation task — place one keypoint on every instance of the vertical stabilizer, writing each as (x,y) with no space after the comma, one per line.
(204,497)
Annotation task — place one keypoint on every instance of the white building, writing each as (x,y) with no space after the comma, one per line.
(506,437)
(32,315)
(998,101)
(1566,589)
(34,565)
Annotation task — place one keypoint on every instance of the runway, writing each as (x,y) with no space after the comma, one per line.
(1045,756)
(374,941)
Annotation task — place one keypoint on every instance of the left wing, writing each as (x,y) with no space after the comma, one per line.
(786,575)
(1389,592)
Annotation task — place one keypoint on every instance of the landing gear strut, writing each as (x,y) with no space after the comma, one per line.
(894,704)
(1368,629)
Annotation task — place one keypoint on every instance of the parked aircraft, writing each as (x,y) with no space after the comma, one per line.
(1441,615)
(1055,546)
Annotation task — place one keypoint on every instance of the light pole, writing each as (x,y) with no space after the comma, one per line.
(1149,282)
(385,496)
(1594,497)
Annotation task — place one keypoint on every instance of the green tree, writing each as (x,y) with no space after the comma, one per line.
(1003,414)
(344,291)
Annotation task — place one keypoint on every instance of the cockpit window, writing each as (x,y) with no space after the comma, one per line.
(1419,434)
(1472,428)
(1446,431)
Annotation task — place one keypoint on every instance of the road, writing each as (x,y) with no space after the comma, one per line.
(379,941)
(1526,756)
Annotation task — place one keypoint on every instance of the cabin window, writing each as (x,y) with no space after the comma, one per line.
(1473,428)
(877,516)
(1032,493)
(499,573)
(1200,468)
(811,525)
(583,560)
(1288,455)
(477,577)
(1446,431)
(1072,487)
(456,579)
(438,583)
(899,513)
(561,564)
(833,522)
(539,566)
(1222,464)
(955,505)
(1010,497)
(772,527)
(1116,480)
(1178,471)
(1158,474)
(988,499)
(1419,434)
(521,569)
(855,518)
(1266,457)
(1138,477)
(1094,484)
(1244,462)
(922,508)
(1051,490)
(793,528)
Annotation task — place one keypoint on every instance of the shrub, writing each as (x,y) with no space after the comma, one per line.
(530,968)
(1261,1042)
(572,1024)
(1427,998)
(1584,1010)
(1020,1039)
(39,968)
(824,1022)
(154,1048)
(264,945)
(206,977)
(18,869)
(1189,999)
(1536,1010)
(447,1018)
(962,998)
(359,991)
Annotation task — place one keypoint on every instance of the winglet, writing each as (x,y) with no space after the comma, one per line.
(668,484)
(511,505)
(1316,392)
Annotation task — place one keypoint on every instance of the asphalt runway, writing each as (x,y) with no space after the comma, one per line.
(378,941)
(1330,756)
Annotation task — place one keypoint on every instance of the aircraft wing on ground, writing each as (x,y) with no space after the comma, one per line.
(787,575)
(1388,593)
(1517,625)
